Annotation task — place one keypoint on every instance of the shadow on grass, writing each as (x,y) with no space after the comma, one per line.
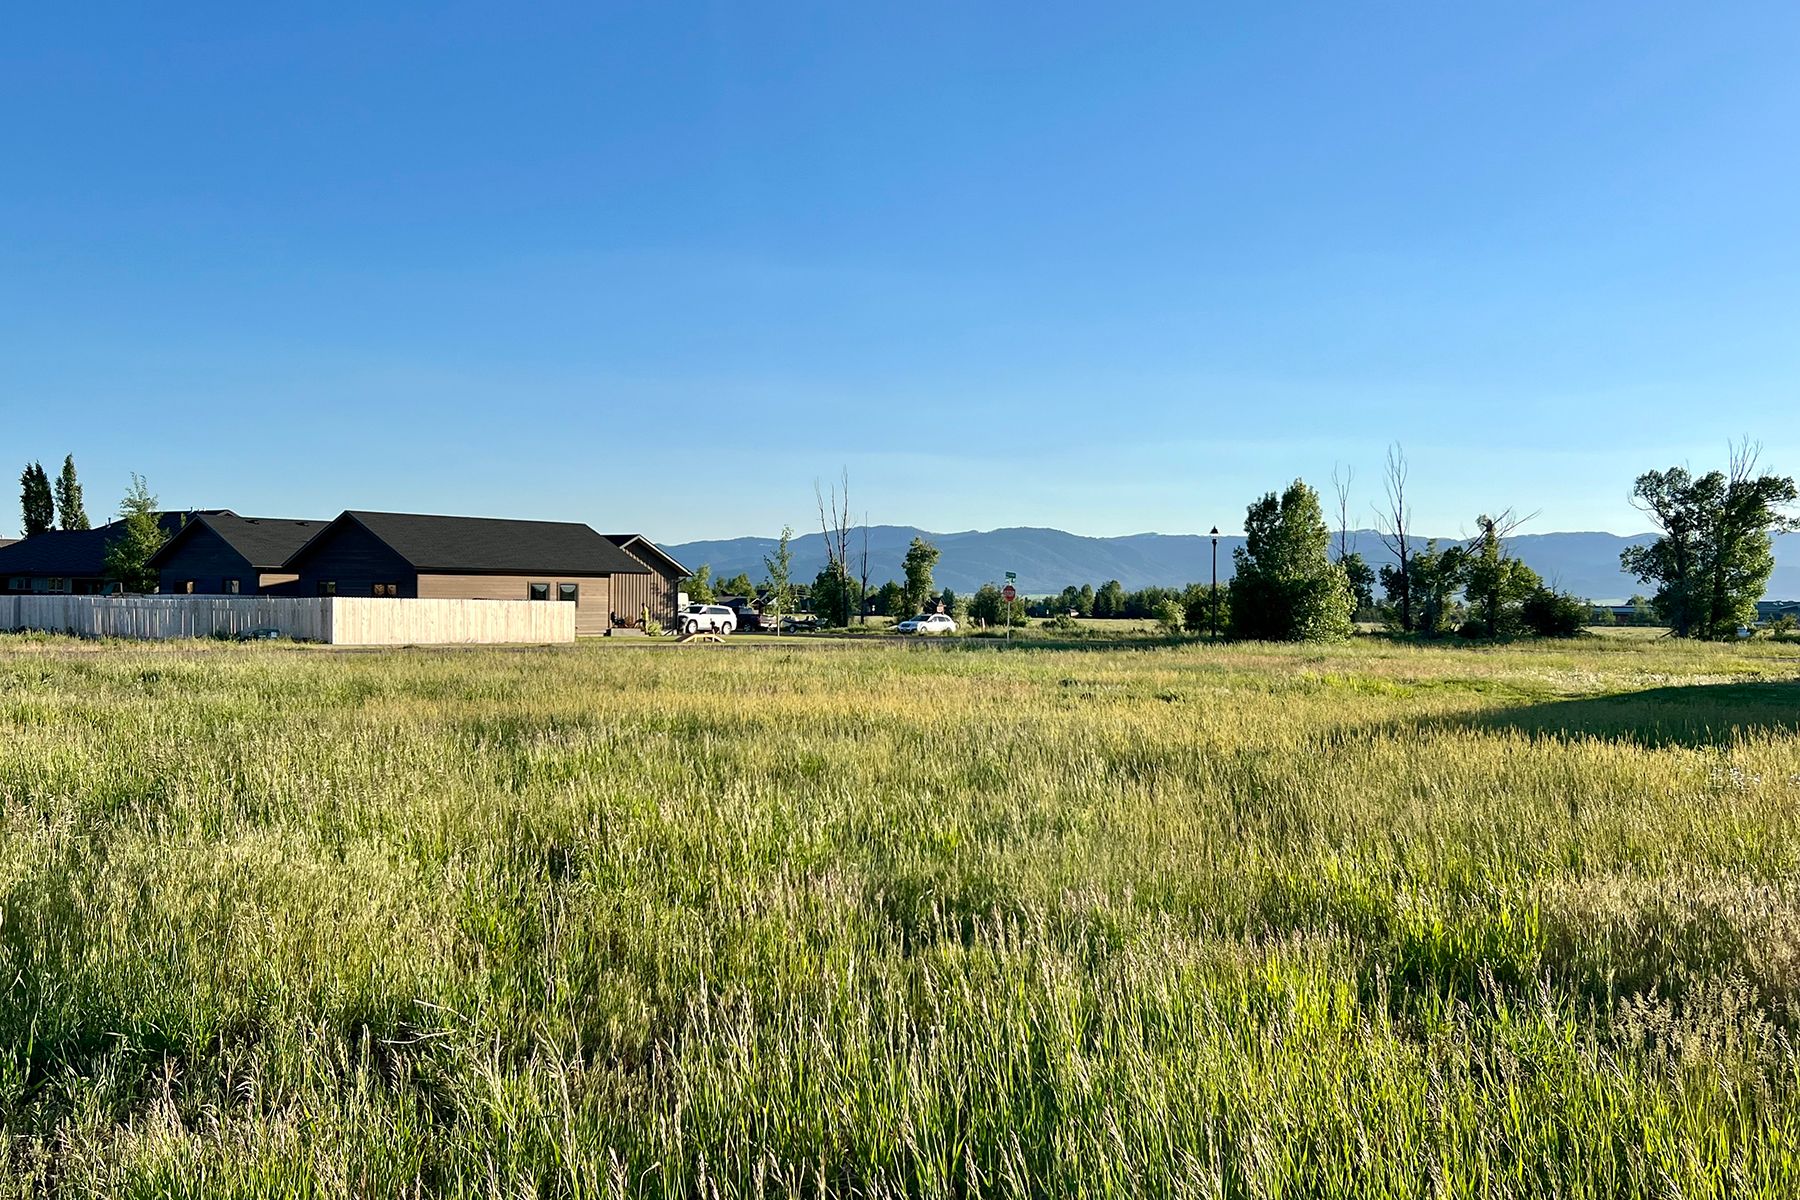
(1694,715)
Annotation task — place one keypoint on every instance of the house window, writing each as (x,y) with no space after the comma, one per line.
(58,584)
(569,591)
(327,587)
(231,587)
(386,589)
(185,587)
(538,591)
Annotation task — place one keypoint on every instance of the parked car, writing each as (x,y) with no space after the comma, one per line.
(927,623)
(748,619)
(707,618)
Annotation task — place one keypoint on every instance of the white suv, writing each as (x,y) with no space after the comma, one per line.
(927,623)
(707,618)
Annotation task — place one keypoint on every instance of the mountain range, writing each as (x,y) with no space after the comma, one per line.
(1047,560)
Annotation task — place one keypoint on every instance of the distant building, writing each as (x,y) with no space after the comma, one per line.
(223,554)
(469,558)
(73,561)
(659,590)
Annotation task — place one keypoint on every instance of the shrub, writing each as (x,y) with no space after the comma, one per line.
(1554,614)
(1170,616)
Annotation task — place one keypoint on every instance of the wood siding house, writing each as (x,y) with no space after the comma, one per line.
(659,590)
(473,558)
(222,554)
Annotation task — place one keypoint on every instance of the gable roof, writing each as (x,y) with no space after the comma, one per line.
(264,542)
(636,544)
(487,545)
(77,553)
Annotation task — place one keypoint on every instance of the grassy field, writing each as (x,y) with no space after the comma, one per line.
(885,920)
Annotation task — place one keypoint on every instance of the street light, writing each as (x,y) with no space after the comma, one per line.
(1215,588)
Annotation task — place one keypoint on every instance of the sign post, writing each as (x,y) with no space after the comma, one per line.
(1009,593)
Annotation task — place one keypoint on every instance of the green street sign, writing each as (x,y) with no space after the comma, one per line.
(1012,575)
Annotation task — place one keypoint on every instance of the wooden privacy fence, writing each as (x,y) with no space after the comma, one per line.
(339,620)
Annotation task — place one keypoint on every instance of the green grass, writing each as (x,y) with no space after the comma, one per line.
(900,920)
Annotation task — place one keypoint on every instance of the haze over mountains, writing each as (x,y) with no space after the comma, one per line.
(1047,560)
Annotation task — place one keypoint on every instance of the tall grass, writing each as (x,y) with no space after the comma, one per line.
(900,921)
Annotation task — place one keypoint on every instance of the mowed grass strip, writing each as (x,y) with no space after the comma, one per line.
(878,920)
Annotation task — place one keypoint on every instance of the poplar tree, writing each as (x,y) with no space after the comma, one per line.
(69,511)
(37,505)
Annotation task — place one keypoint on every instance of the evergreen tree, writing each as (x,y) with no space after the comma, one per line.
(1285,586)
(128,555)
(37,504)
(69,511)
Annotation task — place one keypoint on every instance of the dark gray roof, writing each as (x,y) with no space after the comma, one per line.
(633,543)
(490,545)
(265,542)
(74,553)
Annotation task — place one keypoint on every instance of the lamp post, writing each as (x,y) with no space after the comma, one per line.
(1215,587)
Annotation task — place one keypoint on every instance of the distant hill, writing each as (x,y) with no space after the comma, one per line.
(1047,560)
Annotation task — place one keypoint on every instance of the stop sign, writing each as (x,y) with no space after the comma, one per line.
(1011,593)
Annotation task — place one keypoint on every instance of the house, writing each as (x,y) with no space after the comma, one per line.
(1774,610)
(659,591)
(73,561)
(223,554)
(472,558)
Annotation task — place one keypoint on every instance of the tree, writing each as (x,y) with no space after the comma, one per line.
(1430,583)
(141,536)
(1285,586)
(737,585)
(1170,615)
(37,505)
(921,558)
(989,606)
(780,565)
(1391,524)
(1497,584)
(1084,601)
(1552,614)
(890,600)
(1361,578)
(834,524)
(698,586)
(1204,611)
(1713,556)
(1109,601)
(1340,485)
(69,511)
(862,578)
(833,595)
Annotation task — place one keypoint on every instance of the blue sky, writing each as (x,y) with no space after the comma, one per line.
(1110,268)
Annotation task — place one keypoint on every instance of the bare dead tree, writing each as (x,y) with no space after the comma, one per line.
(1392,525)
(1341,485)
(834,524)
(862,591)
